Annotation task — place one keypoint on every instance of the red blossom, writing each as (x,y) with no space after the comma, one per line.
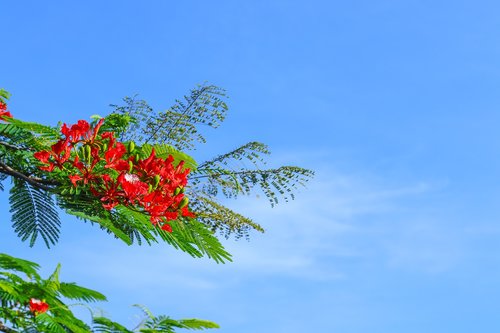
(37,306)
(42,156)
(3,111)
(111,194)
(171,215)
(74,179)
(61,151)
(75,133)
(186,213)
(167,227)
(133,188)
(113,155)
(108,135)
(150,184)
(48,168)
(92,135)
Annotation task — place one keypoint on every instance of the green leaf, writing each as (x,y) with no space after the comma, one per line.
(180,125)
(104,224)
(188,236)
(102,324)
(73,291)
(33,214)
(15,264)
(198,324)
(4,94)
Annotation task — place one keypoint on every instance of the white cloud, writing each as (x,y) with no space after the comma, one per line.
(333,219)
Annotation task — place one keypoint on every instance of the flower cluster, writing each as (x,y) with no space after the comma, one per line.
(37,306)
(3,111)
(114,172)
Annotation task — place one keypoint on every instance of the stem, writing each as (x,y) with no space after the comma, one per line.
(34,181)
(8,145)
(6,329)
(230,173)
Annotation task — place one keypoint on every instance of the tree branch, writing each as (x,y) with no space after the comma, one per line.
(8,145)
(34,181)
(6,329)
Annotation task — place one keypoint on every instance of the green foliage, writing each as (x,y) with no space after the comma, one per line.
(16,316)
(219,217)
(4,95)
(16,291)
(238,172)
(188,235)
(19,265)
(117,123)
(230,175)
(152,324)
(180,125)
(241,171)
(33,214)
(105,325)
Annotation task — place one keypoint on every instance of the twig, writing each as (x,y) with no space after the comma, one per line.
(6,329)
(34,181)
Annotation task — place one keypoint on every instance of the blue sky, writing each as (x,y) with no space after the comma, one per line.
(394,104)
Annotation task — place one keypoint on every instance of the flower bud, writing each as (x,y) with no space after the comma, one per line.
(157,181)
(177,190)
(184,202)
(88,152)
(131,146)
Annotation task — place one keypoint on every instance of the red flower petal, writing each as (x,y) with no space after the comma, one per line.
(166,227)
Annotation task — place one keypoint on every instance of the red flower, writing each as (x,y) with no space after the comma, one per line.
(108,135)
(74,179)
(75,133)
(132,186)
(185,212)
(110,196)
(170,215)
(61,152)
(37,306)
(113,156)
(3,111)
(91,136)
(167,227)
(42,156)
(81,130)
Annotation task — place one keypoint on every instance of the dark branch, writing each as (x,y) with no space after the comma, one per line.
(34,181)
(6,329)
(8,145)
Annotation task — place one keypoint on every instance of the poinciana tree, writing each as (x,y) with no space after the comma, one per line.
(129,174)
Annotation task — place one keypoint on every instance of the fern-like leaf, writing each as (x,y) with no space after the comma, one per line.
(105,325)
(15,264)
(222,219)
(73,291)
(33,214)
(189,236)
(179,125)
